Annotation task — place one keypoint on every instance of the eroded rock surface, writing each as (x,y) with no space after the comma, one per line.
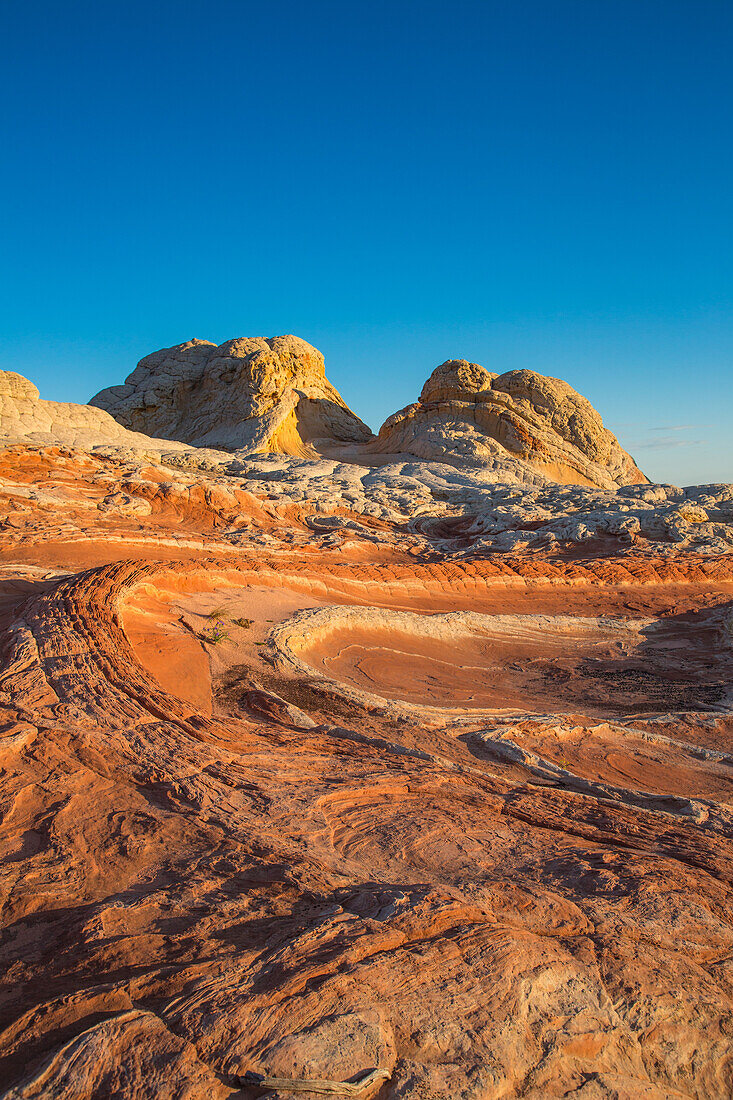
(24,416)
(509,423)
(251,394)
(312,768)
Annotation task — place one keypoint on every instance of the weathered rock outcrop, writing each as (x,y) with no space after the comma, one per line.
(509,422)
(493,903)
(272,395)
(25,417)
(251,394)
(366,773)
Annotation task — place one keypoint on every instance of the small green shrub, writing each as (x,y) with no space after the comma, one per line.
(214,635)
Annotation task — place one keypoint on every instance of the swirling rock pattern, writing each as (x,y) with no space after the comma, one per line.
(312,768)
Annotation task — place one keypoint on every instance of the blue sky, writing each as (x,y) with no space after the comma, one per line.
(524,184)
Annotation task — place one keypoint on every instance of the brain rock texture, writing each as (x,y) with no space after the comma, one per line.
(251,394)
(514,422)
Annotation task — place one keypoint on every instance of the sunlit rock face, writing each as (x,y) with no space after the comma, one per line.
(512,423)
(360,767)
(250,394)
(261,395)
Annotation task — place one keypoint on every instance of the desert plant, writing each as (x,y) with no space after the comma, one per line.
(214,635)
(217,613)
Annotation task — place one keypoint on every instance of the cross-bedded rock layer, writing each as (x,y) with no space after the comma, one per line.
(314,768)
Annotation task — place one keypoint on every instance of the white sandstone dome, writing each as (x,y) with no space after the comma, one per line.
(513,424)
(249,393)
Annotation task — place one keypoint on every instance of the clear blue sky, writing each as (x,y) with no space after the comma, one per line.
(541,184)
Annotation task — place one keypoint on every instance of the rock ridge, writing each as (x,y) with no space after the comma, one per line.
(26,417)
(253,395)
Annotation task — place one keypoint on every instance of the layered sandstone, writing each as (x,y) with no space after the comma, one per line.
(380,773)
(277,874)
(250,394)
(509,423)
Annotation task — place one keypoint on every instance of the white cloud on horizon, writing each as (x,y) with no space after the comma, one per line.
(678,428)
(666,444)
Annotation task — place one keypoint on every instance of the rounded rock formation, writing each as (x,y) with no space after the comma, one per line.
(251,394)
(515,423)
(17,387)
(25,417)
